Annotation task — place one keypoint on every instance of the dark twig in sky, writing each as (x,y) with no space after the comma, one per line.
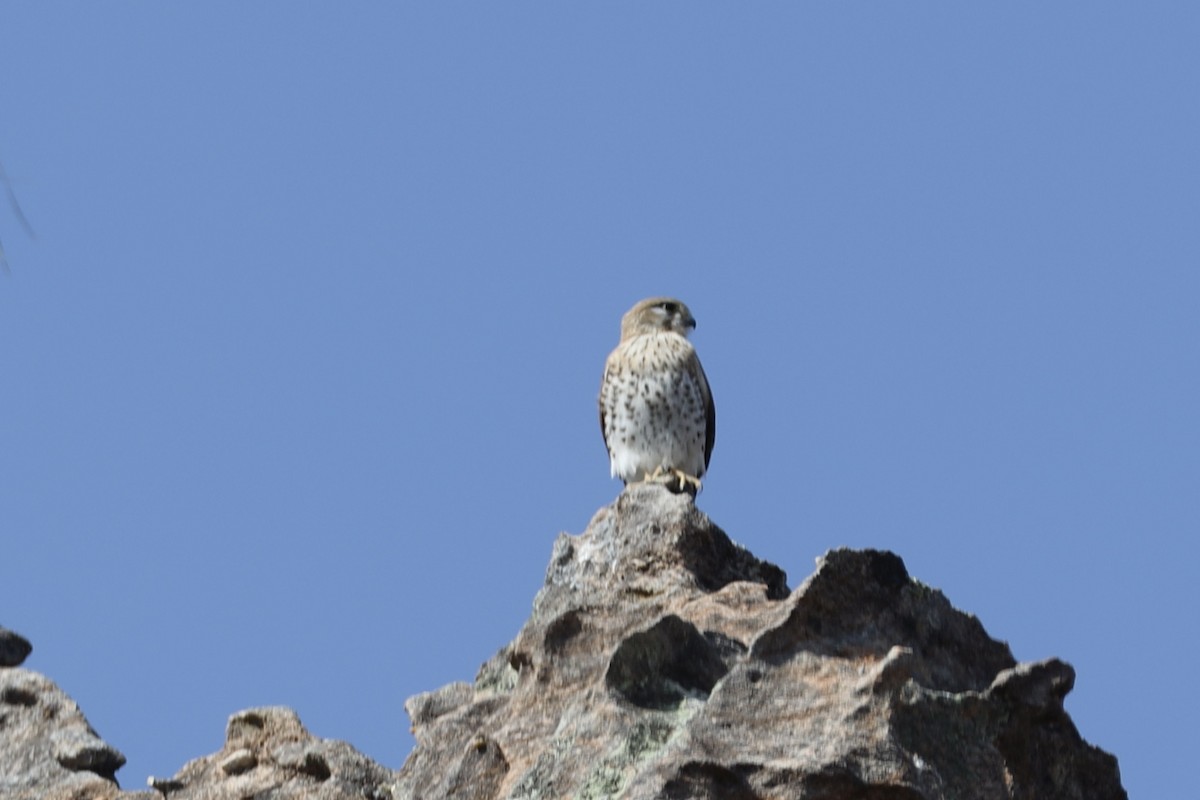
(17,212)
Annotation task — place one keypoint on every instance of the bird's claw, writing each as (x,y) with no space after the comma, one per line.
(686,481)
(675,479)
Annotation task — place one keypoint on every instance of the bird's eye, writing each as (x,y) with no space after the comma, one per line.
(670,308)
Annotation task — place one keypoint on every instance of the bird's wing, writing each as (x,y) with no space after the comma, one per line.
(604,390)
(710,409)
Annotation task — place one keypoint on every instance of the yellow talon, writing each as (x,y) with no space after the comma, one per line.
(673,478)
(686,480)
(654,477)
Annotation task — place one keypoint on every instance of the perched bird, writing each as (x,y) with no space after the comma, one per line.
(656,410)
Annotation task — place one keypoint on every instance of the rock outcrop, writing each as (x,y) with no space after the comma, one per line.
(661,660)
(47,749)
(49,752)
(14,648)
(269,753)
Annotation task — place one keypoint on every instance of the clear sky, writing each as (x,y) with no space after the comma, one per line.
(299,376)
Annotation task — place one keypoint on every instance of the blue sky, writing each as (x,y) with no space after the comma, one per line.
(300,372)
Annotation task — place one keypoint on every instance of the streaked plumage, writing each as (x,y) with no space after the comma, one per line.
(656,409)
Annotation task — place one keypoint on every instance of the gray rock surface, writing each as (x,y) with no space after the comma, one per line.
(661,660)
(14,648)
(49,752)
(47,749)
(268,753)
(664,661)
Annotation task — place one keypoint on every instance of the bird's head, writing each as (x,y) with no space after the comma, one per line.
(655,315)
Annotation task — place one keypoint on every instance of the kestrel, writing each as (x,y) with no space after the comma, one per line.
(656,410)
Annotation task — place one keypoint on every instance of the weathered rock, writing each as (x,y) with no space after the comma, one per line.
(49,752)
(14,648)
(269,753)
(47,748)
(663,661)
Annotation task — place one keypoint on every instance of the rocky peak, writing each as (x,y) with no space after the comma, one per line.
(662,660)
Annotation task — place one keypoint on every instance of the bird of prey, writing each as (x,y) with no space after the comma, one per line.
(656,410)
